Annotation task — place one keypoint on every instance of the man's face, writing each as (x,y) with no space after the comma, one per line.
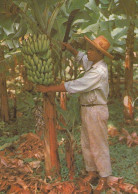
(92,53)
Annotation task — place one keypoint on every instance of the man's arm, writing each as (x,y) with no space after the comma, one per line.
(52,88)
(70,48)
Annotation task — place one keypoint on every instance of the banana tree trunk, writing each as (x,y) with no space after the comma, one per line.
(128,107)
(63,99)
(117,85)
(50,139)
(4,108)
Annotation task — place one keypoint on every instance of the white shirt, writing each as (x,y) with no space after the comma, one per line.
(93,86)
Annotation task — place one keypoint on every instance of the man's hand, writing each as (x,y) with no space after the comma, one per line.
(69,48)
(66,45)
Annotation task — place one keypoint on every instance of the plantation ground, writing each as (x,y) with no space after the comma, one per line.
(123,157)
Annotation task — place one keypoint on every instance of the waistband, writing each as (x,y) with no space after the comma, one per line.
(88,105)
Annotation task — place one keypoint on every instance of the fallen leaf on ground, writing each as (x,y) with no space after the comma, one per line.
(131,139)
(17,172)
(112,131)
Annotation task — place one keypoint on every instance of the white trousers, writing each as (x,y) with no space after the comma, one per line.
(94,141)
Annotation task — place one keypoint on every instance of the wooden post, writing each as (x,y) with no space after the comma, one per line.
(50,139)
(4,107)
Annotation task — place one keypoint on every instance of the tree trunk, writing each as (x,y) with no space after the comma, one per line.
(117,85)
(50,139)
(4,108)
(128,108)
(112,89)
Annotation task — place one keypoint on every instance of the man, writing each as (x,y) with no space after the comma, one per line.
(93,88)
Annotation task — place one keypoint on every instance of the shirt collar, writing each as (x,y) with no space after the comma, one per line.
(96,64)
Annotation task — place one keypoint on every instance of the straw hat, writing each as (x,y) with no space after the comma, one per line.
(101,43)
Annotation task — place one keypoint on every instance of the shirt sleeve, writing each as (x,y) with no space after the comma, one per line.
(83,60)
(88,82)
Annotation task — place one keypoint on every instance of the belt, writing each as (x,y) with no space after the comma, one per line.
(88,105)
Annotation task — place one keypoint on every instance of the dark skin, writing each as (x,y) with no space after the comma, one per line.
(93,55)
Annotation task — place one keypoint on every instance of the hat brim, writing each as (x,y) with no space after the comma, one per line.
(99,48)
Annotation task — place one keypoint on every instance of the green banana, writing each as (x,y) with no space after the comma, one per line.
(50,74)
(50,67)
(32,62)
(32,79)
(44,63)
(39,64)
(44,46)
(42,76)
(46,75)
(40,80)
(25,50)
(30,40)
(40,45)
(42,69)
(46,69)
(36,46)
(34,37)
(49,61)
(43,38)
(38,74)
(45,81)
(25,57)
(39,67)
(33,73)
(32,47)
(48,54)
(26,64)
(36,79)
(34,68)
(35,59)
(47,44)
(29,59)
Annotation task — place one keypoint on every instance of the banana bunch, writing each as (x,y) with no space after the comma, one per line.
(37,59)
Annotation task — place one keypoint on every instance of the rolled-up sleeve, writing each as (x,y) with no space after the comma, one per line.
(83,60)
(88,82)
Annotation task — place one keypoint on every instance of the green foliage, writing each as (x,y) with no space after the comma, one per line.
(78,4)
(2,126)
(72,115)
(61,150)
(116,113)
(26,102)
(6,141)
(124,162)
